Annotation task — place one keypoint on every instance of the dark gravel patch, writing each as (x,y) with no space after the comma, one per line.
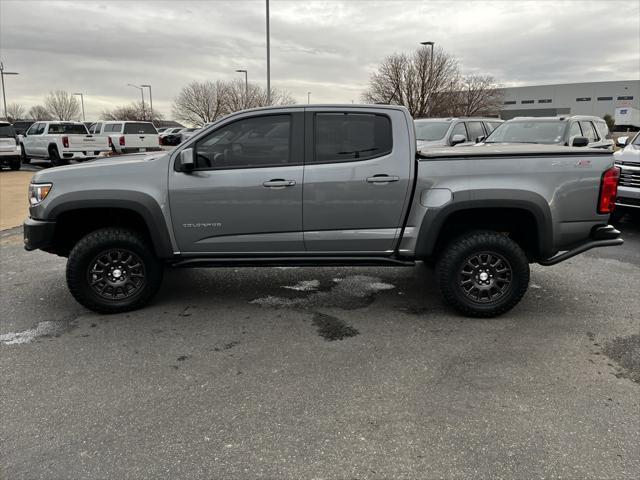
(625,351)
(332,328)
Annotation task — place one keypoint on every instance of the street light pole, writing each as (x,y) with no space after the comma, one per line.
(308,97)
(430,69)
(150,100)
(268,60)
(246,86)
(144,116)
(4,95)
(81,103)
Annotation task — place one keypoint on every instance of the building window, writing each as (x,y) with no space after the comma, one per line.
(526,101)
(583,99)
(604,99)
(626,97)
(544,100)
(510,102)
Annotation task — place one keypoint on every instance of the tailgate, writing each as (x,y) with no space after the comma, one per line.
(141,140)
(87,143)
(7,144)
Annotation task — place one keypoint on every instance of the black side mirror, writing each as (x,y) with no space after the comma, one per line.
(580,142)
(480,138)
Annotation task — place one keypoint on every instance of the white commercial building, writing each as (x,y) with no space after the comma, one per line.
(592,98)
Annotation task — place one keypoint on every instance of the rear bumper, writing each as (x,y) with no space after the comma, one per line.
(84,155)
(138,149)
(38,234)
(601,236)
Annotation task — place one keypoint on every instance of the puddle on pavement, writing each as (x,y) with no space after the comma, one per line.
(332,328)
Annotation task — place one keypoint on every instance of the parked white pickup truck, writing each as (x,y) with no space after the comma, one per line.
(60,142)
(128,136)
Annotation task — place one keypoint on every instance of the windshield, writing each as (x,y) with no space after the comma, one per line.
(69,128)
(636,141)
(528,132)
(7,131)
(429,131)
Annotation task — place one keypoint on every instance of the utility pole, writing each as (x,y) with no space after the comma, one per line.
(4,95)
(430,71)
(268,60)
(81,103)
(308,97)
(246,87)
(150,100)
(144,116)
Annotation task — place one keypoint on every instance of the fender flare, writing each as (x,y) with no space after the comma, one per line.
(141,203)
(435,219)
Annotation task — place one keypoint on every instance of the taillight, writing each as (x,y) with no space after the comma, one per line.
(122,141)
(65,142)
(608,190)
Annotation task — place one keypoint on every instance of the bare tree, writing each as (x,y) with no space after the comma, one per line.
(201,102)
(133,111)
(415,81)
(62,105)
(238,96)
(15,111)
(478,95)
(38,112)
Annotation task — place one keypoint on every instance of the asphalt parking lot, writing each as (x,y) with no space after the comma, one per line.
(321,373)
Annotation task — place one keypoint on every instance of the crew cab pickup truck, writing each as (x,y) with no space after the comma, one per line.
(628,160)
(129,136)
(60,142)
(317,186)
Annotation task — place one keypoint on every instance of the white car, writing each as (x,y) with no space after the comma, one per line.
(9,146)
(60,142)
(129,136)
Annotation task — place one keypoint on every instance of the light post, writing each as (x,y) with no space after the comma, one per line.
(246,86)
(150,100)
(308,97)
(4,95)
(144,116)
(431,44)
(81,103)
(268,60)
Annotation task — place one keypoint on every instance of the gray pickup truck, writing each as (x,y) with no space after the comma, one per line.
(323,185)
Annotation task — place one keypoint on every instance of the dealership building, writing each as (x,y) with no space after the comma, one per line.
(592,98)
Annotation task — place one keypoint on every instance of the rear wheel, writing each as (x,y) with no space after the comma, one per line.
(113,270)
(54,156)
(15,164)
(483,274)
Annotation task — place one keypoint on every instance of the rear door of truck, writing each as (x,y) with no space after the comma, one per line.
(357,178)
(141,136)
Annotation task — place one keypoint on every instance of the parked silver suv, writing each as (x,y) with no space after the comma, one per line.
(448,132)
(574,131)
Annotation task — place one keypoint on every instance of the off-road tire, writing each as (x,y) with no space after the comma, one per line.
(15,164)
(82,260)
(54,156)
(457,260)
(23,156)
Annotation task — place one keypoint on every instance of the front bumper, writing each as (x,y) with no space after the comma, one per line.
(601,236)
(628,197)
(38,234)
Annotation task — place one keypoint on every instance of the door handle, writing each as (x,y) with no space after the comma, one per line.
(382,178)
(279,183)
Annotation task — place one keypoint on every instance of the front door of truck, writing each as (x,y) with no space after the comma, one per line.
(356,179)
(245,192)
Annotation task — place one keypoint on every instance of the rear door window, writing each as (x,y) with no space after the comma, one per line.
(475,130)
(348,137)
(139,128)
(589,131)
(603,129)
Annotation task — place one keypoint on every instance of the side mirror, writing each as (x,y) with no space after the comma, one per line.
(622,142)
(580,142)
(480,139)
(186,160)
(458,138)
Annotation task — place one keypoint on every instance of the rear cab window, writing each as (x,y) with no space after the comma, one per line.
(7,131)
(139,128)
(347,137)
(67,128)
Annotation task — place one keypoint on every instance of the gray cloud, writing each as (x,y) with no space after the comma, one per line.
(328,48)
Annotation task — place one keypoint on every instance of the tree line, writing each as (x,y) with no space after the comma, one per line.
(428,82)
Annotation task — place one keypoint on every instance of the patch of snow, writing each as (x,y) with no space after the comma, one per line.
(305,286)
(43,329)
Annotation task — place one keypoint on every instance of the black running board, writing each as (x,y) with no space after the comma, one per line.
(603,236)
(293,262)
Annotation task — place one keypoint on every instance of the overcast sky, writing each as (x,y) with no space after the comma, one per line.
(327,48)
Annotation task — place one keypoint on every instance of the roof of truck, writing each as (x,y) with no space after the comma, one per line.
(519,150)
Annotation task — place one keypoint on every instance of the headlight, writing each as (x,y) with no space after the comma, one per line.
(38,192)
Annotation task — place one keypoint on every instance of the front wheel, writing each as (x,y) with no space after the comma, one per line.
(483,274)
(113,270)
